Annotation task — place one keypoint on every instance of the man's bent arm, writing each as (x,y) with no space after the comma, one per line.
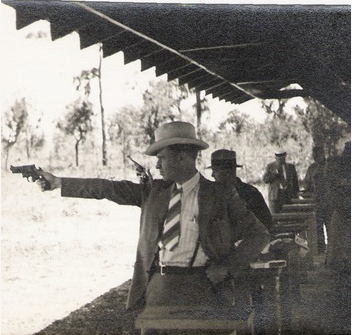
(253,234)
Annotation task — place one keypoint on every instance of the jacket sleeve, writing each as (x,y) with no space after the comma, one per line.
(256,203)
(295,181)
(253,235)
(308,180)
(269,175)
(122,192)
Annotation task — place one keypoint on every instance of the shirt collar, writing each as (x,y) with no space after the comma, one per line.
(190,184)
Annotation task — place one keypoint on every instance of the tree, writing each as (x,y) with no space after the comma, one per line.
(14,122)
(77,123)
(83,84)
(17,127)
(326,127)
(34,136)
(102,114)
(123,131)
(162,102)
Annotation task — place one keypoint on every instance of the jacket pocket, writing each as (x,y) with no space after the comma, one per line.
(221,236)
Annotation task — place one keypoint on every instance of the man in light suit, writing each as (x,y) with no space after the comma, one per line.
(212,218)
(283,182)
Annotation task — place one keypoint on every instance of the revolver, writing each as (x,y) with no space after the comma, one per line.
(30,171)
(144,175)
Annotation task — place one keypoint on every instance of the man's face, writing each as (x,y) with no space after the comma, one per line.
(280,160)
(220,174)
(168,164)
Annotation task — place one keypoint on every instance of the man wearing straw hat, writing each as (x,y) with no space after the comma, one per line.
(188,225)
(282,180)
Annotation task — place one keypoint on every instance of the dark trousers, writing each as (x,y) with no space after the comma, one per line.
(282,199)
(196,297)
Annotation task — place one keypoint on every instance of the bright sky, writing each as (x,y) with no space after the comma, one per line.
(42,71)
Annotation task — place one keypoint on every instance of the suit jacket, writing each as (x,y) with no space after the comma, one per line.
(255,202)
(223,219)
(270,177)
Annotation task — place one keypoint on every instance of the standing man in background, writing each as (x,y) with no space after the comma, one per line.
(283,182)
(338,255)
(224,166)
(224,170)
(315,184)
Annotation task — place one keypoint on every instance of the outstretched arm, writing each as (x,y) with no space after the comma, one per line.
(122,192)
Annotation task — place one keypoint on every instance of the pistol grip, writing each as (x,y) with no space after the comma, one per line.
(47,185)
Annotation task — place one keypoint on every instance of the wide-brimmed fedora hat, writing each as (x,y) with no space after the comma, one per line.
(224,158)
(177,132)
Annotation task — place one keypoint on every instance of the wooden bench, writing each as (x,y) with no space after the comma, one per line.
(305,207)
(268,313)
(240,322)
(303,201)
(298,213)
(191,318)
(298,218)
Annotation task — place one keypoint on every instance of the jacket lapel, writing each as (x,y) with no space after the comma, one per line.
(205,203)
(162,203)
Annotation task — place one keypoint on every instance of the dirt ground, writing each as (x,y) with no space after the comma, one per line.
(104,315)
(62,258)
(59,254)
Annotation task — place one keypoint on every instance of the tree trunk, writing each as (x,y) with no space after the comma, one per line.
(76,150)
(199,120)
(199,114)
(7,156)
(104,153)
(27,145)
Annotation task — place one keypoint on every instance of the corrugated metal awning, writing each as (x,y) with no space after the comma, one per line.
(233,52)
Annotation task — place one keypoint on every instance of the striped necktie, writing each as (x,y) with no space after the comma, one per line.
(172,224)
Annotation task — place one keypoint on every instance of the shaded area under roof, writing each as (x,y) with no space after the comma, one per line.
(233,52)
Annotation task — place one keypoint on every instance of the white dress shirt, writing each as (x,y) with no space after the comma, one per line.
(182,254)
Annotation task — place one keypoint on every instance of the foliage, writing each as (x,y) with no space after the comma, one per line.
(131,130)
(83,81)
(255,143)
(162,103)
(77,122)
(13,123)
(325,127)
(83,85)
(18,129)
(124,133)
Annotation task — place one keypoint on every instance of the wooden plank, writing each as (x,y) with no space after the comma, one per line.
(292,217)
(295,213)
(303,201)
(188,317)
(298,207)
(268,312)
(298,228)
(192,324)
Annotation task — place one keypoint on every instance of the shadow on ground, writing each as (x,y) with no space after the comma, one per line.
(105,315)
